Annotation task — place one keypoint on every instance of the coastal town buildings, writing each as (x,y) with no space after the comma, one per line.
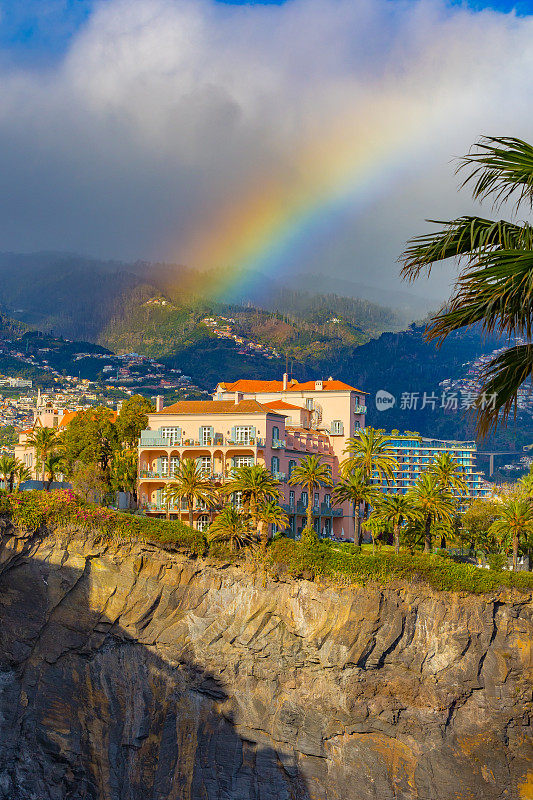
(414,454)
(273,423)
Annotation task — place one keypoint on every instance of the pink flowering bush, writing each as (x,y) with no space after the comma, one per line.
(31,510)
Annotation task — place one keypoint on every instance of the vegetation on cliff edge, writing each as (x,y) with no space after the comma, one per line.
(312,558)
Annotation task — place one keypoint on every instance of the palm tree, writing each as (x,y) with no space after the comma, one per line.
(230,526)
(8,466)
(369,452)
(515,520)
(191,484)
(52,464)
(355,487)
(496,258)
(21,474)
(256,485)
(396,509)
(434,501)
(448,473)
(311,473)
(45,441)
(269,512)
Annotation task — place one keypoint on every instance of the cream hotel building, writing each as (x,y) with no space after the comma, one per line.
(273,423)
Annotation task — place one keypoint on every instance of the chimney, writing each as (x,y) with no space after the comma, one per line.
(159,402)
(319,386)
(238,398)
(285,381)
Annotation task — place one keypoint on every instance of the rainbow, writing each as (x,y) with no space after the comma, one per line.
(280,219)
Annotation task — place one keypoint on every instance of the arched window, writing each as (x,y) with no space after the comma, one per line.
(202,523)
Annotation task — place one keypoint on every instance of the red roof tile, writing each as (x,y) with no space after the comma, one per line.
(216,407)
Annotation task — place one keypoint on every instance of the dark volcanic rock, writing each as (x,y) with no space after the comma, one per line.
(128,673)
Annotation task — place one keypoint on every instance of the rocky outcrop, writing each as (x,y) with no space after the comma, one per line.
(130,673)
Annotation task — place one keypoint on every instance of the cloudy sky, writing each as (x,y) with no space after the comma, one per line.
(309,135)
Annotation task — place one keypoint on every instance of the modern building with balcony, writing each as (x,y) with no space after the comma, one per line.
(273,423)
(416,453)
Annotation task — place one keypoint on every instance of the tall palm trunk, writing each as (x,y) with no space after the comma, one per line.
(397,538)
(190,501)
(310,510)
(515,552)
(357,516)
(427,535)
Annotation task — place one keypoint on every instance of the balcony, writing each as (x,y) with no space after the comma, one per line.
(360,410)
(278,444)
(279,476)
(150,439)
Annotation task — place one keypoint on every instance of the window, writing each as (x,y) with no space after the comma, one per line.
(243,434)
(236,499)
(205,465)
(337,427)
(164,466)
(206,434)
(172,434)
(305,498)
(243,461)
(316,503)
(327,500)
(174,465)
(201,505)
(327,526)
(291,499)
(275,434)
(292,464)
(274,465)
(202,523)
(309,404)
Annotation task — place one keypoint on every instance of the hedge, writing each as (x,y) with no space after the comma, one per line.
(337,563)
(31,510)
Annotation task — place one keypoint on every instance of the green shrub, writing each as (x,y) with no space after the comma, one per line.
(340,565)
(496,561)
(30,510)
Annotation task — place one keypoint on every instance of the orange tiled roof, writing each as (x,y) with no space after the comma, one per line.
(68,416)
(244,385)
(216,407)
(311,431)
(281,404)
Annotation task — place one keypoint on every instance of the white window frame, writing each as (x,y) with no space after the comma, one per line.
(174,465)
(205,465)
(164,466)
(243,461)
(202,523)
(243,434)
(206,435)
(170,433)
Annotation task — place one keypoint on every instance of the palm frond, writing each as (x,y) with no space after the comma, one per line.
(501,166)
(502,377)
(496,291)
(469,237)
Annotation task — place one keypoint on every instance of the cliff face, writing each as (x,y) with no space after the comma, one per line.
(128,673)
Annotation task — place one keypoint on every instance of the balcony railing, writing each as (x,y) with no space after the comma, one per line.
(279,476)
(360,409)
(278,444)
(218,441)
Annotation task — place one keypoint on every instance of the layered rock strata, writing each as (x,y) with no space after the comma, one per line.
(131,673)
